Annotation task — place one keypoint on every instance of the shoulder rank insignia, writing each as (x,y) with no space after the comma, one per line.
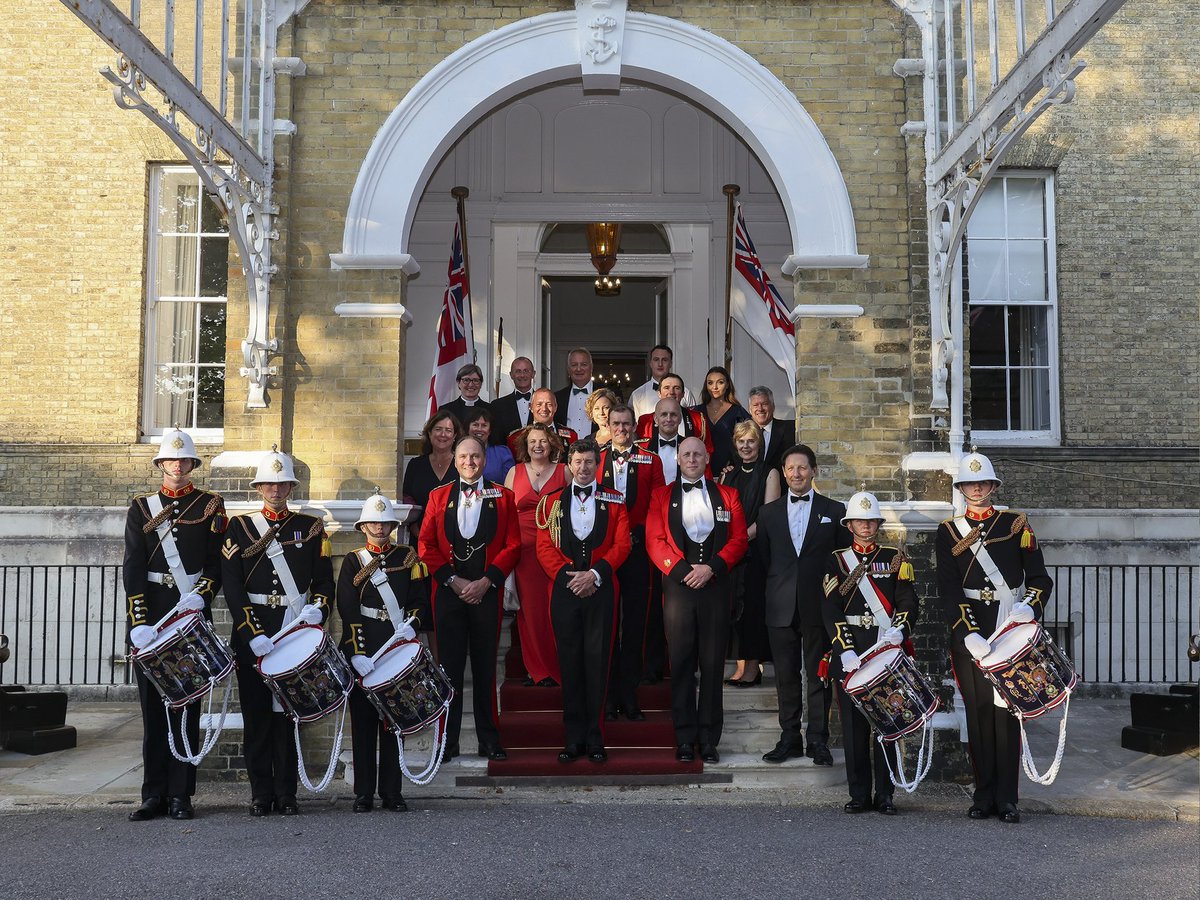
(230,548)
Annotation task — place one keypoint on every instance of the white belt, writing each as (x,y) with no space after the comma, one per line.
(987,595)
(274,599)
(862,621)
(372,612)
(167,578)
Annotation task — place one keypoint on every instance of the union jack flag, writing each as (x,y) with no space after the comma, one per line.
(455,337)
(755,304)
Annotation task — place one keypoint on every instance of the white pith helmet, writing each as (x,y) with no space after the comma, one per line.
(975,467)
(177,444)
(377,508)
(274,468)
(862,506)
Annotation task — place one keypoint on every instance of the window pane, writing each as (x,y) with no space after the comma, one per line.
(987,335)
(214,274)
(988,218)
(985,270)
(1027,270)
(1026,217)
(1030,400)
(212,333)
(1028,338)
(175,274)
(210,398)
(178,202)
(175,333)
(173,386)
(989,400)
(212,221)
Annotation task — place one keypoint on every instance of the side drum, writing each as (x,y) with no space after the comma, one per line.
(407,687)
(1028,670)
(306,673)
(186,660)
(891,692)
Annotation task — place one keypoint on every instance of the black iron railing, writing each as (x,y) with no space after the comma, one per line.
(1125,623)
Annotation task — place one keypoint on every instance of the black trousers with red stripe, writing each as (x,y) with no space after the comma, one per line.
(993,736)
(583,631)
(465,630)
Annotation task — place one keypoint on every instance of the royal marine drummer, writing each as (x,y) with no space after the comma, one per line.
(869,599)
(172,564)
(372,593)
(990,571)
(277,569)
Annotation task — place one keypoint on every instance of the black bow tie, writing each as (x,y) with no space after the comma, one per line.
(665,442)
(655,385)
(687,486)
(581,390)
(582,492)
(523,396)
(470,488)
(620,456)
(803,497)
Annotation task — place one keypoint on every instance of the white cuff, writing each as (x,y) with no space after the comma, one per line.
(596,575)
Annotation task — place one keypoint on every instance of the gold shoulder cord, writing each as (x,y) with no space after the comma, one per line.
(367,571)
(551,520)
(963,545)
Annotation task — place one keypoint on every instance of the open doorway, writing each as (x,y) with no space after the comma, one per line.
(619,331)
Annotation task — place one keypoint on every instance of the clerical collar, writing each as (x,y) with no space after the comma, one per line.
(862,548)
(468,402)
(275,516)
(981,515)
(376,548)
(182,492)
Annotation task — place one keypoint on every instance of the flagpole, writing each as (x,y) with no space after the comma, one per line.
(499,357)
(460,193)
(730,191)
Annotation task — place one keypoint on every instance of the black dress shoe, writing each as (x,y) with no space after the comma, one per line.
(396,804)
(287,806)
(634,714)
(685,753)
(151,808)
(181,808)
(497,752)
(1010,814)
(547,682)
(886,806)
(854,806)
(528,681)
(260,808)
(820,755)
(708,753)
(611,714)
(363,804)
(784,751)
(570,753)
(451,752)
(598,755)
(978,812)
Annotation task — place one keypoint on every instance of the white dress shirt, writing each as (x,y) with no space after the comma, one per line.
(523,408)
(583,516)
(798,515)
(577,419)
(670,461)
(620,470)
(643,399)
(697,512)
(468,509)
(767,436)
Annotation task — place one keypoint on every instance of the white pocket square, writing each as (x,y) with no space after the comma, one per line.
(825,520)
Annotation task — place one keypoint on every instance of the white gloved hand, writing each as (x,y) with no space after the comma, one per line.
(362,664)
(142,636)
(190,602)
(850,661)
(405,632)
(977,645)
(261,645)
(894,636)
(1022,612)
(310,614)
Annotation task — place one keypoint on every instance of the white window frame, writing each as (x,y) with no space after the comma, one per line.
(152,431)
(1051,437)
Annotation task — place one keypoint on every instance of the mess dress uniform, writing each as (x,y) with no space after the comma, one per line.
(974,604)
(196,521)
(854,625)
(367,627)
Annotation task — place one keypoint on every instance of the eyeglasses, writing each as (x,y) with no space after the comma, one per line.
(471,380)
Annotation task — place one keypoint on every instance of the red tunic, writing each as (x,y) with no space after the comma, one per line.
(664,550)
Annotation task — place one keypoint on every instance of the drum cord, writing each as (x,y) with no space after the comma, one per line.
(439,742)
(924,759)
(1027,764)
(302,770)
(210,734)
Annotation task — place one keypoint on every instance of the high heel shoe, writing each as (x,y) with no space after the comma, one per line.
(749,684)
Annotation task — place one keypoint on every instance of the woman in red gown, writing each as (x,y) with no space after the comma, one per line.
(534,476)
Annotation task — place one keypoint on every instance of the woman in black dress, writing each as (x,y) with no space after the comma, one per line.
(756,484)
(433,468)
(719,405)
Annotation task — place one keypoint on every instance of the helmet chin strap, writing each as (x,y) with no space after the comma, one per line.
(985,498)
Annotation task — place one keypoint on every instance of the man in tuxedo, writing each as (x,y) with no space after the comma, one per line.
(513,412)
(643,398)
(543,408)
(635,473)
(572,399)
(691,421)
(470,382)
(470,542)
(778,434)
(796,534)
(583,538)
(695,535)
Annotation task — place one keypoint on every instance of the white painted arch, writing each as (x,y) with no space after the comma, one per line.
(544,49)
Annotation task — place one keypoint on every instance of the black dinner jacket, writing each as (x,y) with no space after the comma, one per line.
(563,396)
(506,418)
(794,581)
(461,410)
(783,436)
